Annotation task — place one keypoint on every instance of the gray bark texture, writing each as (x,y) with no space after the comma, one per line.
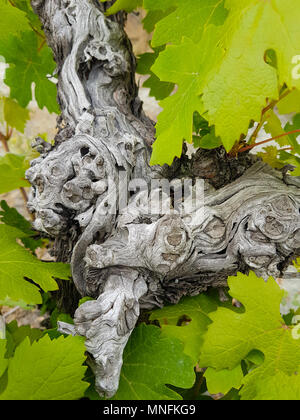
(135,259)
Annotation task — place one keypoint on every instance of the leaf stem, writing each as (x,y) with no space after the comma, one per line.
(251,146)
(266,109)
(286,148)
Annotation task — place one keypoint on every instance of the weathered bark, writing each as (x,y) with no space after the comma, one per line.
(137,258)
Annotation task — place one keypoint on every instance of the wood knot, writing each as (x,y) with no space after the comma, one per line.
(174,239)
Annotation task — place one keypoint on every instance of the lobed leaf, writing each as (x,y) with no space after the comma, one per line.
(47,370)
(15,20)
(232,336)
(29,65)
(152,360)
(227,75)
(16,264)
(12,172)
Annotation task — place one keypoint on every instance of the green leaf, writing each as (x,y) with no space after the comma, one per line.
(16,263)
(223,381)
(127,5)
(28,65)
(154,16)
(256,357)
(270,155)
(83,300)
(158,89)
(245,78)
(160,5)
(15,336)
(11,217)
(152,360)
(13,303)
(189,66)
(290,103)
(288,158)
(232,336)
(57,316)
(13,21)
(47,370)
(188,20)
(209,141)
(280,387)
(33,18)
(293,138)
(12,172)
(192,314)
(274,128)
(14,115)
(233,80)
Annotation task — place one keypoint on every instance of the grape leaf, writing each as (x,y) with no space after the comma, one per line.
(11,217)
(274,127)
(280,387)
(293,138)
(152,360)
(13,303)
(245,78)
(28,65)
(188,20)
(235,79)
(189,66)
(16,263)
(14,115)
(33,18)
(158,89)
(223,381)
(270,155)
(290,103)
(154,16)
(204,136)
(288,158)
(127,5)
(47,370)
(13,20)
(256,357)
(279,158)
(160,5)
(15,336)
(208,141)
(232,336)
(195,312)
(12,172)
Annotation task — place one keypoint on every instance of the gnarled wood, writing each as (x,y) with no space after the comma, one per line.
(136,257)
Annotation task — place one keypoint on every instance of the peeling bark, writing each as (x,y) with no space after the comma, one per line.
(135,258)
